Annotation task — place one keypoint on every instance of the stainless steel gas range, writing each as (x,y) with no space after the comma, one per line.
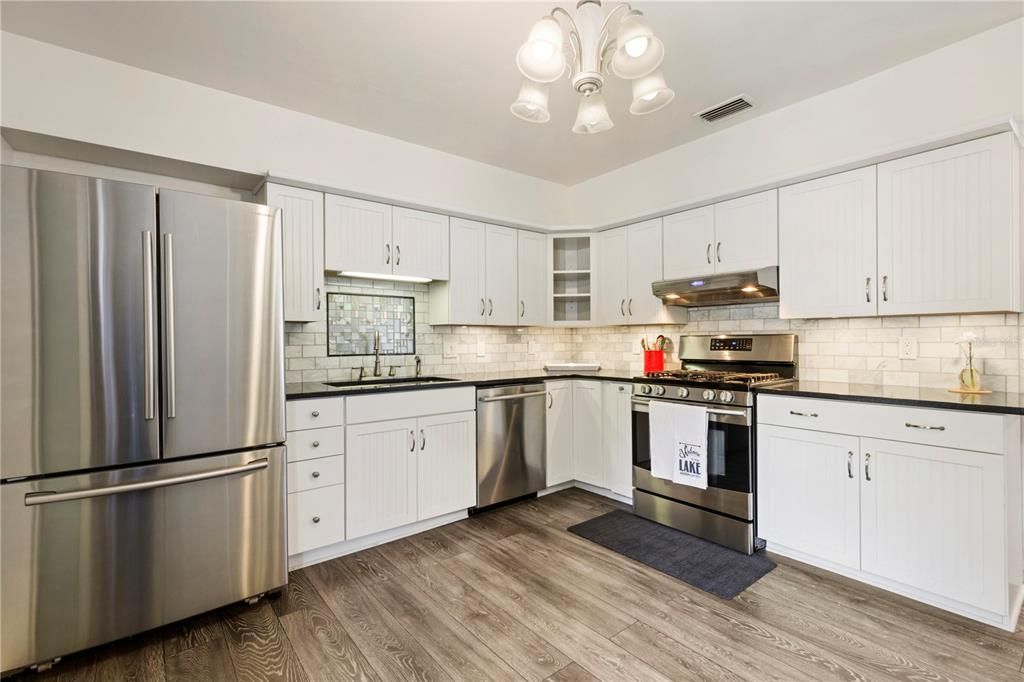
(719,373)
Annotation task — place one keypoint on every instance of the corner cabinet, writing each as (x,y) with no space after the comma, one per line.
(890,495)
(302,223)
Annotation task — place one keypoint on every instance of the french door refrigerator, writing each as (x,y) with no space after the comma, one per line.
(142,460)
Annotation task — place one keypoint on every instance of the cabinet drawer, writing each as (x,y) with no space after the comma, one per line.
(314,413)
(943,428)
(313,443)
(316,473)
(316,518)
(406,404)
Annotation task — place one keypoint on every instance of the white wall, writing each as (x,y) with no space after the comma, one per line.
(59,92)
(969,84)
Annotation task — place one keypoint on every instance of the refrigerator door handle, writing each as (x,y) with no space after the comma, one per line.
(169,323)
(48,496)
(149,325)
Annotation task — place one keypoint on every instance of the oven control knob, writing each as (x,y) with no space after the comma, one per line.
(659,390)
(725,396)
(645,389)
(683,392)
(708,395)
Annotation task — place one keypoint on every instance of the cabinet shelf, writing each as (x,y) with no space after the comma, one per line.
(571,272)
(571,295)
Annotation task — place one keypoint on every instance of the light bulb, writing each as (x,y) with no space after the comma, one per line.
(649,96)
(637,46)
(542,50)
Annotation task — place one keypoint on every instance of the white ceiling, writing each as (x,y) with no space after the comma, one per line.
(442,74)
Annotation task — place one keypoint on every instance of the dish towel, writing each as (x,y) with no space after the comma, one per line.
(679,443)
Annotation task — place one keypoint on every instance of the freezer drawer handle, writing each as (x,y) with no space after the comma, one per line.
(48,496)
(513,396)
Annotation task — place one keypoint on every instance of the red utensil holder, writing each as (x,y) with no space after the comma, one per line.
(654,361)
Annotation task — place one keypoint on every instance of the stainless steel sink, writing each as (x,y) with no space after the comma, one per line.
(378,382)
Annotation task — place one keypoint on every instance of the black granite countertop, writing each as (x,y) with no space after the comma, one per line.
(1004,403)
(375,385)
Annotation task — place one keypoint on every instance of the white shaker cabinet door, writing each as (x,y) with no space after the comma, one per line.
(446,464)
(689,243)
(532,277)
(808,495)
(420,243)
(357,236)
(617,407)
(466,297)
(588,453)
(380,476)
(501,276)
(747,232)
(611,274)
(827,247)
(947,239)
(935,519)
(302,223)
(644,267)
(559,432)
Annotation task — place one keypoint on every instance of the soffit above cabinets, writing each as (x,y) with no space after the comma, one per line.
(374,67)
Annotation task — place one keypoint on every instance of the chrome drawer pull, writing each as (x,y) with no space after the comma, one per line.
(924,428)
(316,474)
(316,519)
(316,413)
(316,444)
(803,414)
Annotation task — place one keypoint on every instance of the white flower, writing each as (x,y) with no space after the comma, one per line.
(968,337)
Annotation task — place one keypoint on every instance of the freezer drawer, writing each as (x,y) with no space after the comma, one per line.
(92,558)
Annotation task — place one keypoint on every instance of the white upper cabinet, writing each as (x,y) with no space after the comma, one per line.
(501,275)
(827,247)
(357,235)
(612,277)
(747,232)
(532,278)
(302,222)
(420,244)
(947,237)
(689,240)
(644,267)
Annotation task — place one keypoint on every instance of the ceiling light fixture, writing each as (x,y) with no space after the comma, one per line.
(629,49)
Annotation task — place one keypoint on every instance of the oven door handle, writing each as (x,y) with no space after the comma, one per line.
(715,414)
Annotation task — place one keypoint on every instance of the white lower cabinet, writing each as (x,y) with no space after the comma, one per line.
(316,518)
(381,474)
(921,516)
(446,464)
(588,459)
(809,492)
(559,432)
(935,519)
(617,410)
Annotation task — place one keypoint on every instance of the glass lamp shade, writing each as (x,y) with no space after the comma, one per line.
(592,116)
(541,58)
(650,93)
(638,51)
(532,103)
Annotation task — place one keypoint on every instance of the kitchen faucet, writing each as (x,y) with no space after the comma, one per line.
(376,354)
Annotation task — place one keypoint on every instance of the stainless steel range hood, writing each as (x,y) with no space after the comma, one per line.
(754,286)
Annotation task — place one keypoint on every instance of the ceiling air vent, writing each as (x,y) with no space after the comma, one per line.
(727,108)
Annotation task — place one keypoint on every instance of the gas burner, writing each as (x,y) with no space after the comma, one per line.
(719,377)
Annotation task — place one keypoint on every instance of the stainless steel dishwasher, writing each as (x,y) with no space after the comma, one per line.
(511,442)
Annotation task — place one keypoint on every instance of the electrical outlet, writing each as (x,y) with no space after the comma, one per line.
(449,350)
(533,347)
(481,348)
(908,348)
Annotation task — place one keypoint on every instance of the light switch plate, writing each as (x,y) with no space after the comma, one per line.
(481,348)
(908,348)
(449,350)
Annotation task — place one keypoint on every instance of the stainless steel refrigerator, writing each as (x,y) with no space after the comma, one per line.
(141,442)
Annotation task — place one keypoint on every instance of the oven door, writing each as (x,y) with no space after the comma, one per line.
(730,469)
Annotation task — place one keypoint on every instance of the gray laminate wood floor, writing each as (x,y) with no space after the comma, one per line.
(511,595)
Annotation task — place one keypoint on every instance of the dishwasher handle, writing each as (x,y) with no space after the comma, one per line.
(511,396)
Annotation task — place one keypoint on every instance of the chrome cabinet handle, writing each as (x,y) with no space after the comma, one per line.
(849,464)
(629,307)
(387,254)
(483,307)
(490,307)
(867,466)
(423,440)
(316,519)
(316,444)
(803,414)
(867,289)
(551,401)
(315,413)
(522,308)
(398,254)
(148,327)
(47,496)
(171,379)
(885,287)
(718,252)
(622,307)
(621,389)
(318,298)
(316,474)
(412,437)
(924,427)
(707,253)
